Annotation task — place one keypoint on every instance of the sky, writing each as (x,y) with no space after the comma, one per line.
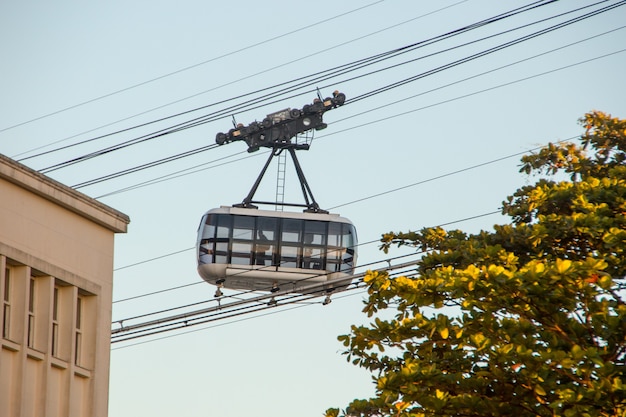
(442,148)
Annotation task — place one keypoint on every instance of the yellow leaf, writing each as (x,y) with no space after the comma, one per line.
(563,265)
(401,405)
(539,390)
(444,333)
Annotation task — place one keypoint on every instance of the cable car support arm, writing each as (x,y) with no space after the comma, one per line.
(276,132)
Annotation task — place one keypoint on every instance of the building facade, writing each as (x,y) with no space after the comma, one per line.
(56,280)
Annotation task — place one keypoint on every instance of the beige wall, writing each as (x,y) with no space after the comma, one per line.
(55,351)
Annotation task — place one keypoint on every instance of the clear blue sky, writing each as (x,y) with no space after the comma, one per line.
(72,71)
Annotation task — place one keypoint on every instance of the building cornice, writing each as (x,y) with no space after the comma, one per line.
(63,195)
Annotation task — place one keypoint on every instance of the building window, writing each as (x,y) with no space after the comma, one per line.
(31,314)
(55,322)
(6,304)
(78,333)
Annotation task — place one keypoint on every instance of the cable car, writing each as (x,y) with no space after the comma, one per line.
(246,248)
(251,249)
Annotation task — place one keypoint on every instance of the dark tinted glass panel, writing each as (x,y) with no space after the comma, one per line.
(265,243)
(243,227)
(292,231)
(241,253)
(224,224)
(289,256)
(209,227)
(313,257)
(221,252)
(334,234)
(315,232)
(349,236)
(267,228)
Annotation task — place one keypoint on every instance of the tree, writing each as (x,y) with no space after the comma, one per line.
(528,319)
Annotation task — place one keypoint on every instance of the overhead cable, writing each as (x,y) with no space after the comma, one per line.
(321,76)
(284,64)
(361,125)
(191,66)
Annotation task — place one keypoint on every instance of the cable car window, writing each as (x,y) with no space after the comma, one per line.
(349,236)
(314,239)
(289,256)
(208,226)
(267,227)
(221,252)
(313,258)
(334,234)
(292,230)
(315,232)
(243,227)
(241,253)
(333,260)
(265,241)
(223,226)
(348,241)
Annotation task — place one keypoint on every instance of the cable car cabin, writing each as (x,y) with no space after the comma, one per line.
(251,249)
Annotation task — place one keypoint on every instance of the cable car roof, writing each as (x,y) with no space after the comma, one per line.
(279,214)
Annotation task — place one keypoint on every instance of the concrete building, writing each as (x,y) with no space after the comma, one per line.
(56,279)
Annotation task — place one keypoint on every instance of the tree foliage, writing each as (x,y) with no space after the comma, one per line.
(528,319)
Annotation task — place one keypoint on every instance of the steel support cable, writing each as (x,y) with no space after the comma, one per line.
(249,317)
(441,87)
(384,88)
(238,295)
(458,62)
(220,113)
(144,166)
(225,315)
(212,89)
(298,299)
(209,90)
(237,305)
(188,171)
(195,151)
(463,45)
(190,318)
(185,324)
(470,94)
(158,328)
(183,172)
(160,133)
(192,66)
(484,53)
(340,70)
(215,312)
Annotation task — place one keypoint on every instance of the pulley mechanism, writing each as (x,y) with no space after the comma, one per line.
(277,129)
(276,132)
